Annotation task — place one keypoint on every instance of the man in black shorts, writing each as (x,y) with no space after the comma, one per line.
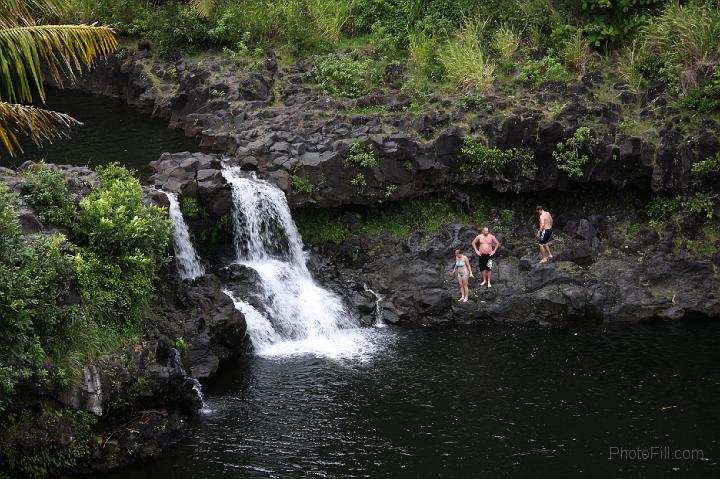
(544,234)
(485,246)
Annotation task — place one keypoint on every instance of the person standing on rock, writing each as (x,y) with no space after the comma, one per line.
(485,246)
(544,234)
(464,273)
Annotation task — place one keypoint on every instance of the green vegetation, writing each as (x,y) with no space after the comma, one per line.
(547,69)
(568,155)
(30,52)
(345,75)
(400,219)
(707,167)
(706,98)
(701,204)
(301,185)
(359,182)
(49,453)
(45,190)
(480,156)
(191,209)
(661,208)
(67,299)
(361,156)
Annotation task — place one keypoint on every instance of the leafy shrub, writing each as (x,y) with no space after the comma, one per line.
(345,75)
(707,167)
(568,155)
(191,209)
(705,98)
(361,155)
(480,156)
(359,182)
(701,203)
(46,191)
(607,22)
(464,60)
(661,208)
(302,185)
(547,69)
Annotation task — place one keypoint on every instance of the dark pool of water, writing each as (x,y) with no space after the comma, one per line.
(495,402)
(112,131)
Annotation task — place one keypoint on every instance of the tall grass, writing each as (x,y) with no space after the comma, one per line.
(465,62)
(687,35)
(506,41)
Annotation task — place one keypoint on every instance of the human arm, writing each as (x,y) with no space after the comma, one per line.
(469,267)
(474,245)
(497,246)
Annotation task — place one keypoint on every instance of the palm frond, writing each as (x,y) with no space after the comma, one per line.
(63,49)
(22,12)
(38,124)
(205,7)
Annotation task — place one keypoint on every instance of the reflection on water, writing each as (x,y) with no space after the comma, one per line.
(112,131)
(495,402)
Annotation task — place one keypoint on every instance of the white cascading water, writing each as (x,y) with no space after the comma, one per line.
(301,316)
(186,258)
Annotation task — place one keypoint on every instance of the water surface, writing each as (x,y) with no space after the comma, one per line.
(111,131)
(492,402)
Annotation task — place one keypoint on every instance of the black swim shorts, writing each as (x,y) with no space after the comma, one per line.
(545,236)
(484,262)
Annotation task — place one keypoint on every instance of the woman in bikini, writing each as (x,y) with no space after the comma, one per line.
(464,273)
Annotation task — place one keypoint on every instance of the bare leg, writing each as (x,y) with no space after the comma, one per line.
(489,274)
(465,288)
(484,278)
(460,283)
(543,256)
(547,248)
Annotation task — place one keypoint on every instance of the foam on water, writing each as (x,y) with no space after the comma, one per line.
(300,316)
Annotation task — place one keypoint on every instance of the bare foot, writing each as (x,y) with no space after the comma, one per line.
(460,300)
(544,260)
(489,285)
(483,283)
(465,300)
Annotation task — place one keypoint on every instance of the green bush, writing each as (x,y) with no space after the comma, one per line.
(191,209)
(606,22)
(361,155)
(120,244)
(345,75)
(661,208)
(547,69)
(568,154)
(707,167)
(701,203)
(480,156)
(46,191)
(705,98)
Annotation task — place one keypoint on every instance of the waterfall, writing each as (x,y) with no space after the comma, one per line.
(299,315)
(379,323)
(186,258)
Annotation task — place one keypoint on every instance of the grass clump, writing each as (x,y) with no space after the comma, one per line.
(569,155)
(705,98)
(701,204)
(464,60)
(547,69)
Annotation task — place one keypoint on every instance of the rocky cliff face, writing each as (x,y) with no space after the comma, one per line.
(279,124)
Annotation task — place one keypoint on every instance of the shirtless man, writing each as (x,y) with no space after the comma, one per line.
(485,246)
(544,233)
